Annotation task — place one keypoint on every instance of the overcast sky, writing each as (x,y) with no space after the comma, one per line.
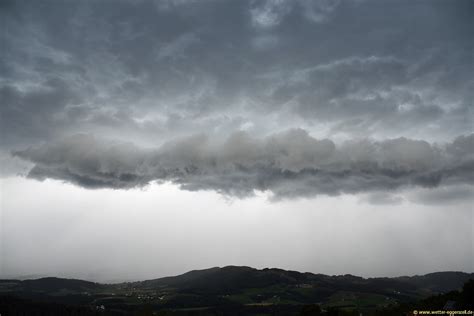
(142,139)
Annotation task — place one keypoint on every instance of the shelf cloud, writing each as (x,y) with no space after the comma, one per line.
(289,164)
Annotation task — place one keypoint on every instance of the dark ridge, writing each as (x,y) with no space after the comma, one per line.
(52,284)
(248,291)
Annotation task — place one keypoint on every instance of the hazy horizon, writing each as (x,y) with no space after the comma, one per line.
(147,138)
(117,281)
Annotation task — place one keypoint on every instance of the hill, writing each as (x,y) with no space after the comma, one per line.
(234,279)
(241,288)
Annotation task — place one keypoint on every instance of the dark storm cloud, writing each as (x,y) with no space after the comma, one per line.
(148,72)
(370,93)
(289,164)
(130,68)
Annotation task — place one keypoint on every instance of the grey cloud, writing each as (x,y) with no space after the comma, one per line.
(382,198)
(270,13)
(368,94)
(13,166)
(444,195)
(318,11)
(176,48)
(403,70)
(289,164)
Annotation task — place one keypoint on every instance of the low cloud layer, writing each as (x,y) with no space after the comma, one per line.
(289,164)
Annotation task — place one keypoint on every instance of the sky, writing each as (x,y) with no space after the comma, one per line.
(147,138)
